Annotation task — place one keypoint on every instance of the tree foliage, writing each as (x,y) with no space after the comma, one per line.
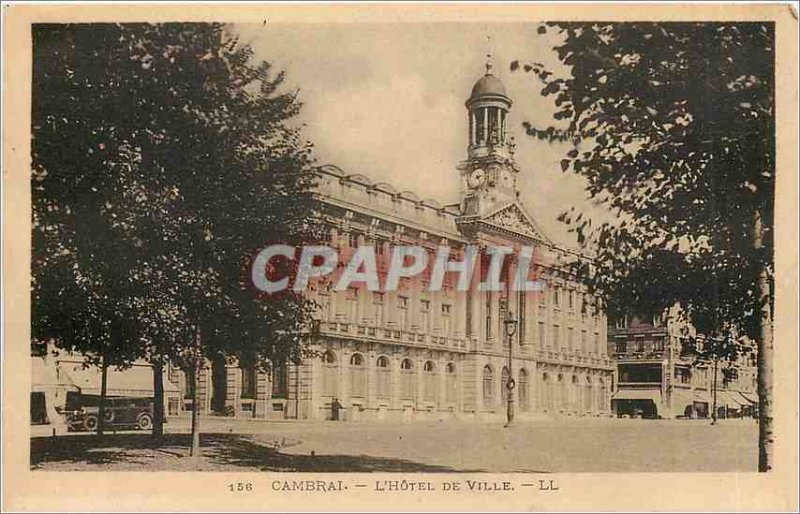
(672,125)
(163,160)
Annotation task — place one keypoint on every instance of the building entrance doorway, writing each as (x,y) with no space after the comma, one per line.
(645,409)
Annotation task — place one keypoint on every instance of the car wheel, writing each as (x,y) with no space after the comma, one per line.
(90,423)
(145,422)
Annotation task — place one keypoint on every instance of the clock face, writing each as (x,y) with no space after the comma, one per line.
(476,178)
(507,179)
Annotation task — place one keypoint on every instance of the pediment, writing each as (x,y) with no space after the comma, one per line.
(514,218)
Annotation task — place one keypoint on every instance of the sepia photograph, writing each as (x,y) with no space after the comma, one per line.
(471,255)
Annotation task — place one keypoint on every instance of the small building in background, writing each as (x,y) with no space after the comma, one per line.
(60,379)
(656,377)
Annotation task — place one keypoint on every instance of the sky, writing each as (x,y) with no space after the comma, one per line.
(386,100)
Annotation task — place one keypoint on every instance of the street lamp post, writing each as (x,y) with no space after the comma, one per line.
(510,325)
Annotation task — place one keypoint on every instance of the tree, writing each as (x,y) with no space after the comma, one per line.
(718,349)
(672,125)
(179,146)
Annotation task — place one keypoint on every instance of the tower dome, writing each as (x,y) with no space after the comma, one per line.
(488,106)
(488,85)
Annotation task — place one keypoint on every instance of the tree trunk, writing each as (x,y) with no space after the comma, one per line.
(765,348)
(714,394)
(158,396)
(101,411)
(195,450)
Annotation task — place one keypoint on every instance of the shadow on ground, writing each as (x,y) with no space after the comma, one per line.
(220,452)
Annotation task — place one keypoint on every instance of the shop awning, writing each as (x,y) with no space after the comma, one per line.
(730,399)
(750,397)
(638,394)
(134,381)
(701,396)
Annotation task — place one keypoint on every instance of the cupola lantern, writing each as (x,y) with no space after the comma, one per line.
(488,107)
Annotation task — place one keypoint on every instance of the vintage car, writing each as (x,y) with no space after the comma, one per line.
(120,412)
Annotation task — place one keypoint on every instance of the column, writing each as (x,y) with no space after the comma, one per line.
(485,125)
(472,129)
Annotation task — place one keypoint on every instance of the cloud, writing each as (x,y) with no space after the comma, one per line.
(387,101)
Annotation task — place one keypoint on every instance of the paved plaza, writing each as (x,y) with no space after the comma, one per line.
(578,445)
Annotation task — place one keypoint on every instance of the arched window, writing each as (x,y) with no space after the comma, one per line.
(330,374)
(407,380)
(429,381)
(488,384)
(504,385)
(451,394)
(547,400)
(358,377)
(522,387)
(384,377)
(602,398)
(588,396)
(575,395)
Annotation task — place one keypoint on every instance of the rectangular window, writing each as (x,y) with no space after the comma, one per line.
(597,349)
(557,297)
(621,347)
(446,319)
(542,335)
(248,382)
(570,340)
(402,304)
(352,304)
(639,348)
(425,315)
(584,348)
(502,308)
(658,345)
(556,339)
(280,381)
(571,299)
(352,240)
(521,308)
(378,306)
(174,374)
(488,315)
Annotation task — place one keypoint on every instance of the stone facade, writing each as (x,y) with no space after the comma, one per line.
(417,354)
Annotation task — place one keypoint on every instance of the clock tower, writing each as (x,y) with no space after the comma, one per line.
(489,174)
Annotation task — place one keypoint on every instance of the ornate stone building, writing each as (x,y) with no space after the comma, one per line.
(417,354)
